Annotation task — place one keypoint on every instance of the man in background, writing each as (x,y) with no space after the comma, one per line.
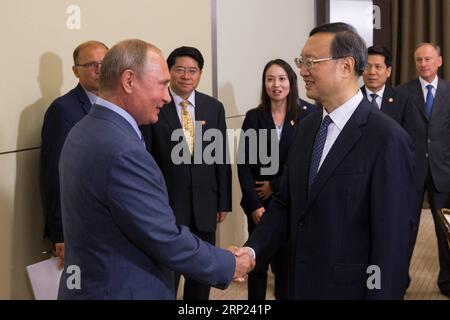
(60,117)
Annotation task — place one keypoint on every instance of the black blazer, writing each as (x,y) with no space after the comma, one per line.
(357,213)
(196,191)
(431,135)
(248,173)
(396,105)
(60,117)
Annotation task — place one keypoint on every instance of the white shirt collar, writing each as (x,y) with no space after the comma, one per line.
(379,93)
(128,117)
(424,83)
(342,114)
(177,99)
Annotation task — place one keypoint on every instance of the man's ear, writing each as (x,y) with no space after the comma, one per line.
(127,80)
(348,66)
(75,71)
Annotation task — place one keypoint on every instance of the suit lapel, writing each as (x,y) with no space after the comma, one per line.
(363,90)
(350,134)
(304,142)
(417,96)
(288,128)
(170,115)
(83,98)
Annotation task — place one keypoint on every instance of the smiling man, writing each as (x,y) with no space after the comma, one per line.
(347,193)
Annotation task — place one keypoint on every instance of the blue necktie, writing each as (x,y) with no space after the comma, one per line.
(374,100)
(430,99)
(319,143)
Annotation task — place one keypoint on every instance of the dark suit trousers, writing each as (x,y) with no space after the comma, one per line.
(194,290)
(257,279)
(437,200)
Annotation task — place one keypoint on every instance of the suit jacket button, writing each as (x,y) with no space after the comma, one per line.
(426,155)
(301,224)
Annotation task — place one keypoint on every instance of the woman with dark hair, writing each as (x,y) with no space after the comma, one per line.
(279,113)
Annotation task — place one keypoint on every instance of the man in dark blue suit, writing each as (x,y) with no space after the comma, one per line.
(121,239)
(348,189)
(60,117)
(380,94)
(430,97)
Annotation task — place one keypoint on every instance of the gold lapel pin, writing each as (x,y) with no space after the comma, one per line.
(292,122)
(391,100)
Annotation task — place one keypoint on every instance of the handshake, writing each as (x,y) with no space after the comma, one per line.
(245,262)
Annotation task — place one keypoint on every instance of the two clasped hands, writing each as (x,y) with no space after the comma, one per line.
(245,256)
(245,262)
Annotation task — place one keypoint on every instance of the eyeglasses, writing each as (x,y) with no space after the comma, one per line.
(183,70)
(90,65)
(308,63)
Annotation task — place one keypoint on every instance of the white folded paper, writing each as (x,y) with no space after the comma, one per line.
(44,277)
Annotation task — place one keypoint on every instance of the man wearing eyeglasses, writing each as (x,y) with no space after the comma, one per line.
(347,193)
(199,193)
(60,117)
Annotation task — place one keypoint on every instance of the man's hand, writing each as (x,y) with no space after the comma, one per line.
(245,262)
(263,191)
(59,252)
(221,216)
(257,214)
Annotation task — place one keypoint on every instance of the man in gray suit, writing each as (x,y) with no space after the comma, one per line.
(121,240)
(430,97)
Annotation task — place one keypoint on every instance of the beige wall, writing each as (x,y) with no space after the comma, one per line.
(36,68)
(249,34)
